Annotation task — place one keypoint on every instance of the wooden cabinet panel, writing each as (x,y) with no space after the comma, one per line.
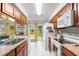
(17,14)
(67,53)
(69,6)
(8,8)
(61,12)
(0,7)
(22,52)
(49,44)
(76,8)
(12,53)
(20,47)
(55,21)
(19,53)
(26,49)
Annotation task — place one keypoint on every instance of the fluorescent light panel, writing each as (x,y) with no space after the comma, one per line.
(38,8)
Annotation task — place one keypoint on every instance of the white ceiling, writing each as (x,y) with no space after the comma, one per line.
(29,9)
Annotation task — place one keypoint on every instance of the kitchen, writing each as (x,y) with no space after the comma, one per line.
(59,35)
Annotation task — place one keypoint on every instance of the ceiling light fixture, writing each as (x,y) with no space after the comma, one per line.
(38,8)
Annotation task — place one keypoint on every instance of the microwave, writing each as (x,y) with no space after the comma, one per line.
(66,19)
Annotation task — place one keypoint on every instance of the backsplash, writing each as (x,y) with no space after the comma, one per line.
(74,30)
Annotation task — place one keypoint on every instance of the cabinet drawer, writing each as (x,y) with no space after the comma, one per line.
(20,47)
(67,53)
(12,53)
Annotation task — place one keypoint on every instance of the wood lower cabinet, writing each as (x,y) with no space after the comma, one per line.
(66,52)
(21,50)
(49,44)
(12,53)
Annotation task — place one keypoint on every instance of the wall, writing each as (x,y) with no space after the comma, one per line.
(74,30)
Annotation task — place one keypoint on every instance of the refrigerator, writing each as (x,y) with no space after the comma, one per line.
(46,28)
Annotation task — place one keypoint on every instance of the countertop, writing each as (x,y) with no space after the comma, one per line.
(71,47)
(5,49)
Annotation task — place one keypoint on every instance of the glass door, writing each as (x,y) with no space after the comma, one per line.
(39,32)
(31,32)
(35,32)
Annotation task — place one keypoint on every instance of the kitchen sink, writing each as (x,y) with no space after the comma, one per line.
(11,42)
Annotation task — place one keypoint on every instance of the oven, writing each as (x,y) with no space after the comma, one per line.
(56,48)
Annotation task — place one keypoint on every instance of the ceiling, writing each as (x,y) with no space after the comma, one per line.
(29,9)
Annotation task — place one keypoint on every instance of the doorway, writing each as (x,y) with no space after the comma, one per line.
(35,32)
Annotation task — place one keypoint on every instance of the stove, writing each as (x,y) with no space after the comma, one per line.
(57,43)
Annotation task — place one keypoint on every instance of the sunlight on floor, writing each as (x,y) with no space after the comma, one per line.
(37,49)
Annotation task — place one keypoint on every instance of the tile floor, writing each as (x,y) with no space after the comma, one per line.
(37,49)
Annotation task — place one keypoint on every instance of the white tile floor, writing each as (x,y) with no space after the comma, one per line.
(37,49)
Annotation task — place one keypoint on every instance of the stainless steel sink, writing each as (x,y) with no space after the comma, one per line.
(11,42)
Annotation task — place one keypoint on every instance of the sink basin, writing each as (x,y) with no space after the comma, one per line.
(11,42)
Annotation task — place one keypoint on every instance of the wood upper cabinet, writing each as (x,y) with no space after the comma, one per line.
(23,19)
(61,12)
(69,6)
(12,11)
(17,14)
(0,7)
(54,20)
(8,8)
(76,8)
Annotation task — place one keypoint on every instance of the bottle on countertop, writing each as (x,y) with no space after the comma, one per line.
(60,35)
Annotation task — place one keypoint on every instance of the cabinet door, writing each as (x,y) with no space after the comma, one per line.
(69,6)
(49,44)
(61,12)
(8,8)
(25,20)
(17,13)
(24,51)
(0,7)
(54,20)
(12,53)
(20,53)
(76,8)
(67,52)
